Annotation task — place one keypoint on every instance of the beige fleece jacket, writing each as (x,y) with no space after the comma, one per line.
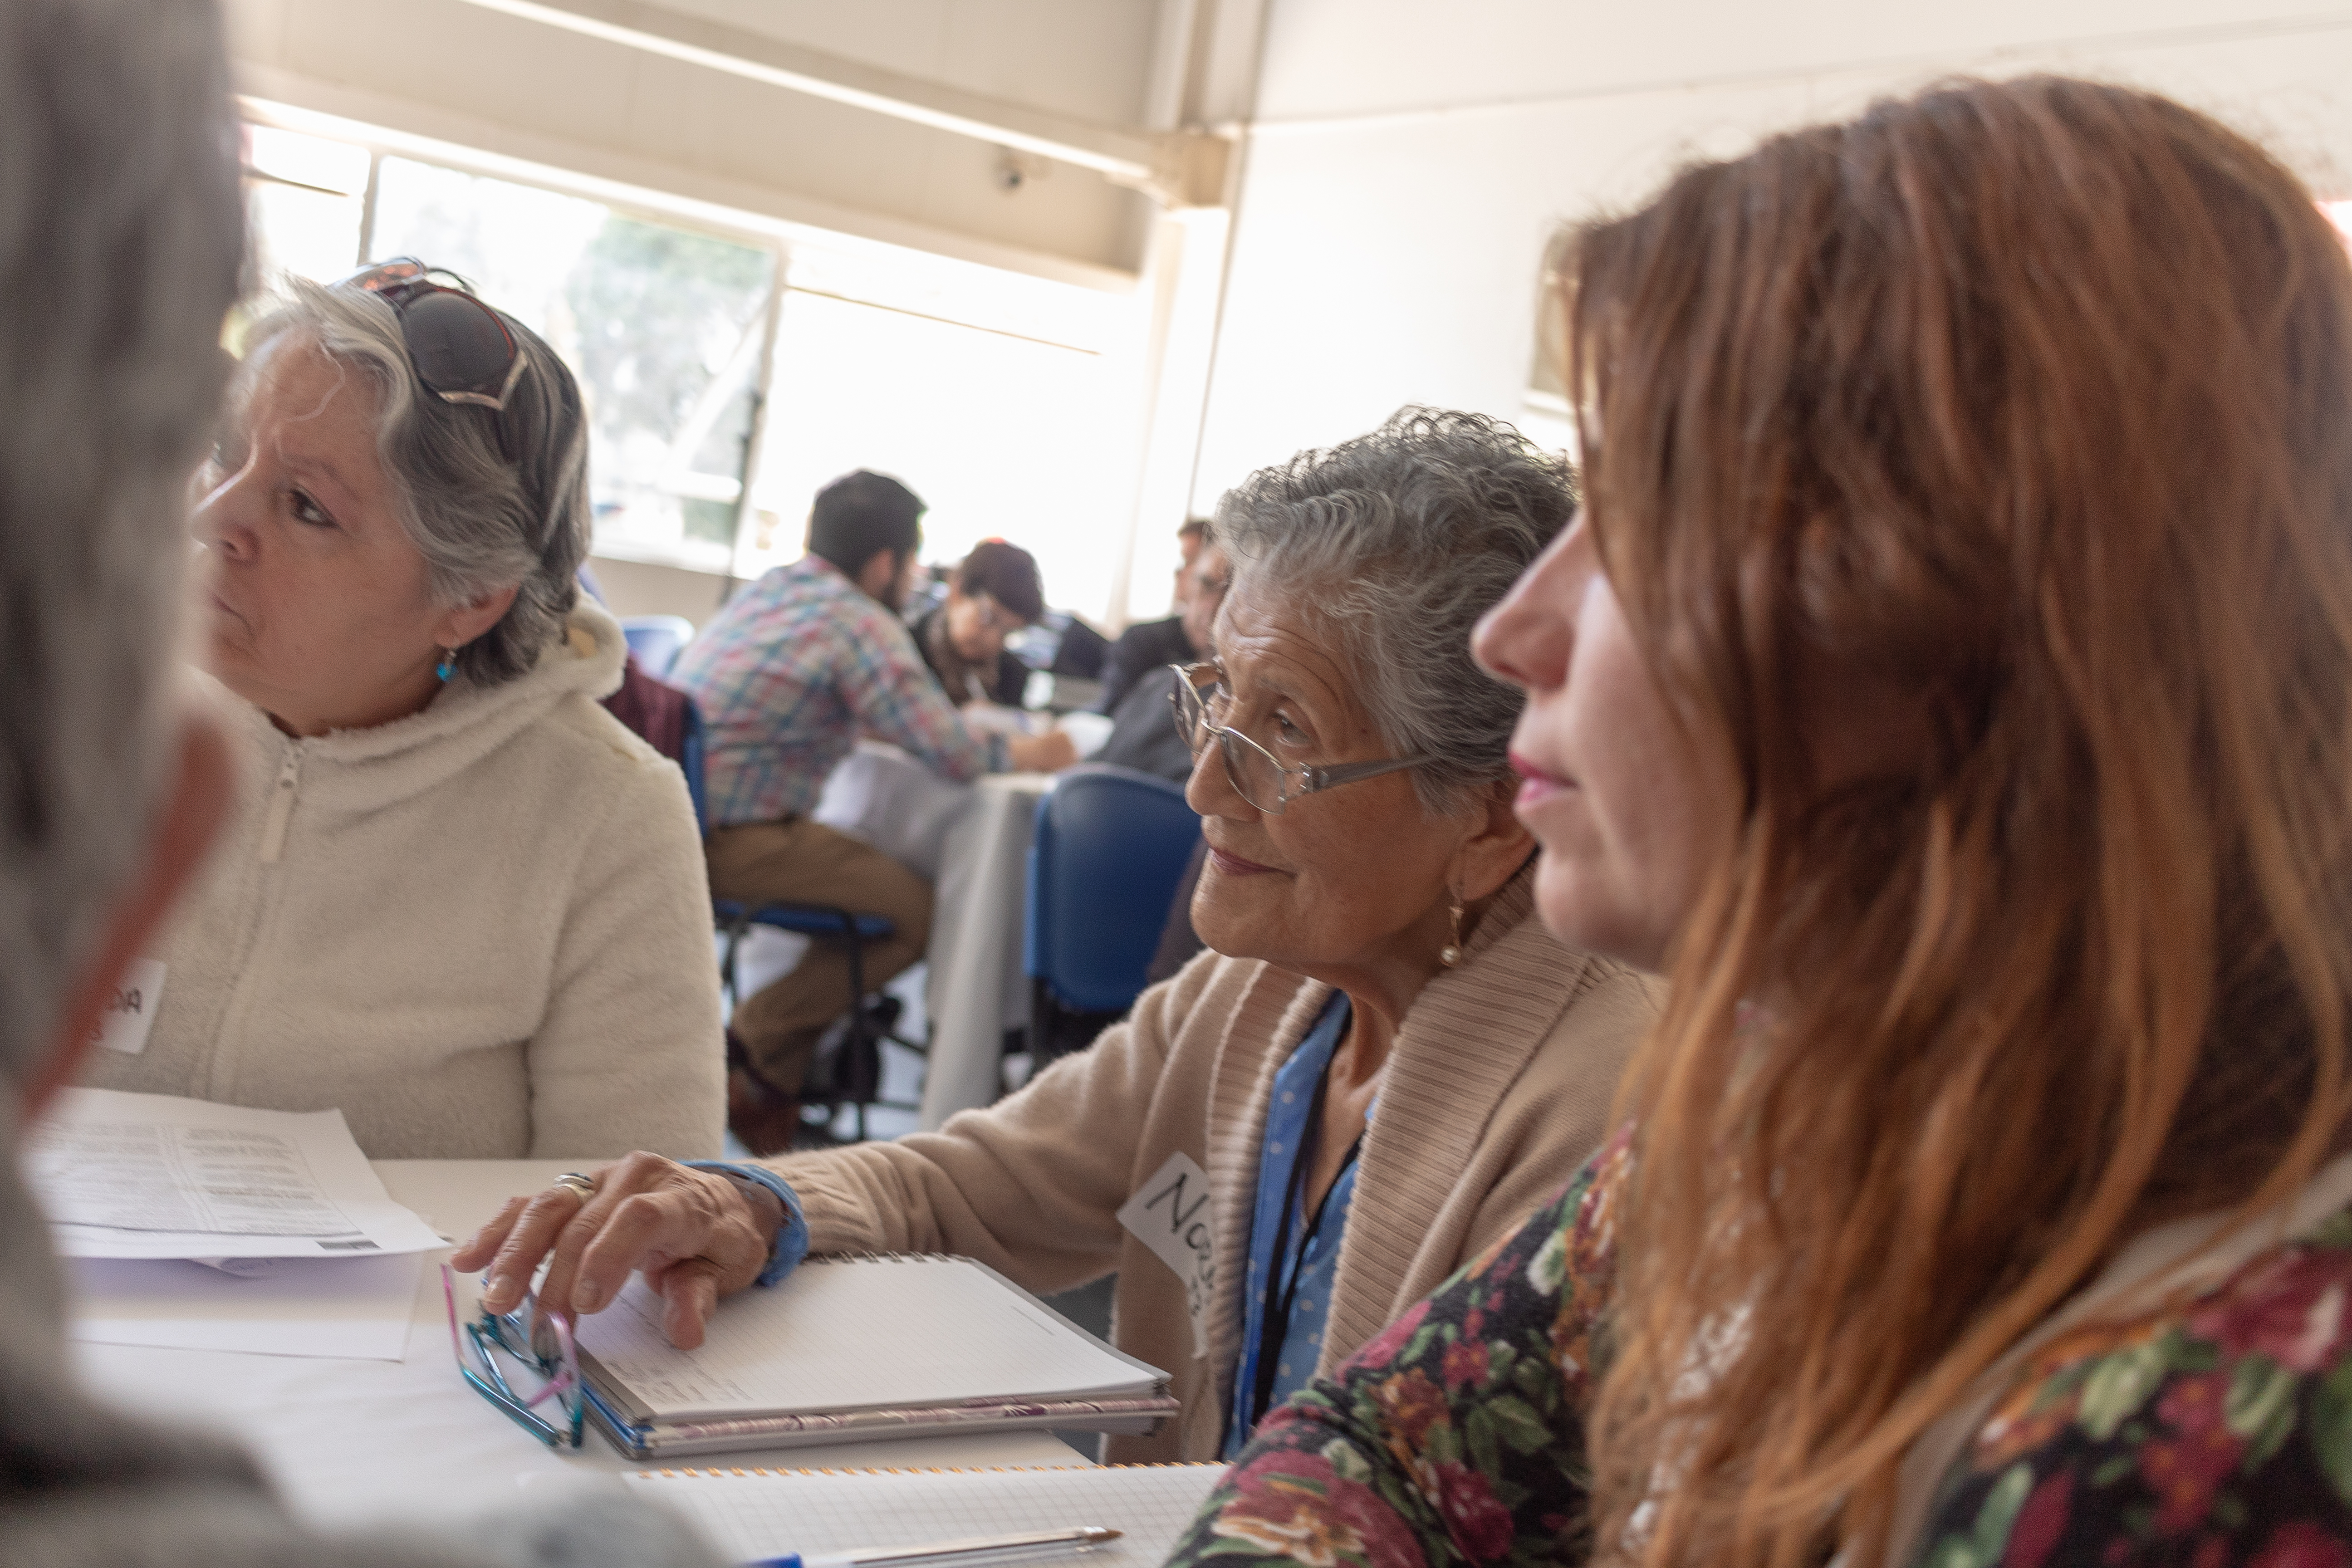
(1497,1088)
(481,932)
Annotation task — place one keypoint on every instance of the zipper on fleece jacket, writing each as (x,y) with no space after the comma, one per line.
(281,804)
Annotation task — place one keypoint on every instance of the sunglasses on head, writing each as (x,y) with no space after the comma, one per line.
(461,349)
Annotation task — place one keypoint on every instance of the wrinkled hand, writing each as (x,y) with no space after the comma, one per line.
(695,1235)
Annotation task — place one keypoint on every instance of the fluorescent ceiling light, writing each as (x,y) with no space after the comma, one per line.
(1123,155)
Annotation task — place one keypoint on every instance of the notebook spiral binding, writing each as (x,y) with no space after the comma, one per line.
(882,1257)
(716,1473)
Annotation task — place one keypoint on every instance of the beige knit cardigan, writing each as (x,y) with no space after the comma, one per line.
(1497,1088)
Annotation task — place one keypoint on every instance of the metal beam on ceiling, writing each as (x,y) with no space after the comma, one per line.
(1178,168)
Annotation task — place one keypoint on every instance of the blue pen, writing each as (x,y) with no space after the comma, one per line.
(979,1549)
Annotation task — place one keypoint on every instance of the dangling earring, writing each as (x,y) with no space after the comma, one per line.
(449,665)
(1451,953)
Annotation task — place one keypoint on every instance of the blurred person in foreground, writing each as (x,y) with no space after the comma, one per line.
(1383,1066)
(120,240)
(992,593)
(459,902)
(1947,686)
(787,676)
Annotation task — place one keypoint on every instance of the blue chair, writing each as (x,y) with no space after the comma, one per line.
(689,761)
(858,1079)
(1111,844)
(656,639)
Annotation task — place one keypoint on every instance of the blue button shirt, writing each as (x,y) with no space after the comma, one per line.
(1311,1257)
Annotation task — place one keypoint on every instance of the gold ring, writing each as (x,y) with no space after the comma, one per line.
(574,1182)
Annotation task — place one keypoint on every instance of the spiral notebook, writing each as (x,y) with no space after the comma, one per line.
(753,1514)
(847,1349)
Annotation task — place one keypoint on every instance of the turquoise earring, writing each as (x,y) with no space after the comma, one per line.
(448,664)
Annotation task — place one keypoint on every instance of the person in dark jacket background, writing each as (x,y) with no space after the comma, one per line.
(1142,734)
(1148,645)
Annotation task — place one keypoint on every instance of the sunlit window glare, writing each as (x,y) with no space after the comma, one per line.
(991,393)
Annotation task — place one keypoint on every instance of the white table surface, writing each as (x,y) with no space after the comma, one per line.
(349,1442)
(978,988)
(971,841)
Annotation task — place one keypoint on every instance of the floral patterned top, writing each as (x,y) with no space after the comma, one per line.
(2214,1432)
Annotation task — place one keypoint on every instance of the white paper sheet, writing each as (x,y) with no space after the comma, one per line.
(754,1515)
(994,716)
(354,1308)
(1087,732)
(150,1175)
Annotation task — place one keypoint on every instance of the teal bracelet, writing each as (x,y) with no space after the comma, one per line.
(792,1242)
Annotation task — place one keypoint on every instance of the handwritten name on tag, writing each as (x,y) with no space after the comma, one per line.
(1169,1215)
(130,1012)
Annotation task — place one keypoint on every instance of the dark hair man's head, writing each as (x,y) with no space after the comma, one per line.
(1006,573)
(857,518)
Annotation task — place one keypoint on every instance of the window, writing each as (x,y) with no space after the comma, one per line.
(1003,435)
(1000,398)
(307,199)
(663,326)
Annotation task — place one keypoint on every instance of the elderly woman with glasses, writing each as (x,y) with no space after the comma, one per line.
(1384,1064)
(460,903)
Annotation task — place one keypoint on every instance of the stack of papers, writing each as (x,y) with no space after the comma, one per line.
(203,1227)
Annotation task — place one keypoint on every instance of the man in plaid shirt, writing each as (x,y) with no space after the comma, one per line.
(789,674)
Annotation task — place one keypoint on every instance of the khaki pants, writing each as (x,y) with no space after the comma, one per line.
(804,862)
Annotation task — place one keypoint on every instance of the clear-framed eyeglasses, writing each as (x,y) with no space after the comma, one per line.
(1202,702)
(995,616)
(515,1368)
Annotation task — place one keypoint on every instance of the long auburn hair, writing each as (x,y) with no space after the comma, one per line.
(2034,400)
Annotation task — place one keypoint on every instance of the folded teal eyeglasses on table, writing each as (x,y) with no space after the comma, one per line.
(517,1364)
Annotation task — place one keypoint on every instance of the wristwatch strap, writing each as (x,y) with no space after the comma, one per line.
(792,1242)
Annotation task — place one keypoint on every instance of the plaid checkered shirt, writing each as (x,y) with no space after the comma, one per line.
(794,671)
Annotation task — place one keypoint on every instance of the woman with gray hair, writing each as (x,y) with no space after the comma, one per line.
(1381,1066)
(460,903)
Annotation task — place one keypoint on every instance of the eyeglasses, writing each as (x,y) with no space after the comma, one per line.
(1202,702)
(462,349)
(514,1368)
(995,616)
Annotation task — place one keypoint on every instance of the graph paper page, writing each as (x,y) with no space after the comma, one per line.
(750,1516)
(857,1334)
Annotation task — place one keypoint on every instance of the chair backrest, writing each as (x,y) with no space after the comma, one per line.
(656,639)
(1112,843)
(689,763)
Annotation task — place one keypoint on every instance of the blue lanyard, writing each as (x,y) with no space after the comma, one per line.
(1274,1327)
(1277,1244)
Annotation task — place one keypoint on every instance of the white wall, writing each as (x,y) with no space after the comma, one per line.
(1410,160)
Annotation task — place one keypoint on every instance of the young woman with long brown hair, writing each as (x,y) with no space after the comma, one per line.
(1949,685)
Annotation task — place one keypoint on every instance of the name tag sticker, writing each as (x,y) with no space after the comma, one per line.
(1169,1215)
(131,1011)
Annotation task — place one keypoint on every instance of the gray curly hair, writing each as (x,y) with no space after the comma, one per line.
(481,520)
(1396,543)
(122,238)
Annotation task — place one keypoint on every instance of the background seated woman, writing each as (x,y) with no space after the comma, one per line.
(1948,681)
(1384,1044)
(992,593)
(461,903)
